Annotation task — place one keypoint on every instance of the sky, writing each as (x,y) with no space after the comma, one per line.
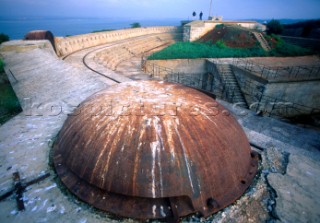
(161,9)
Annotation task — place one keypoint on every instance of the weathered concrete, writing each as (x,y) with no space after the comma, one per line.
(67,45)
(284,97)
(289,162)
(298,198)
(161,68)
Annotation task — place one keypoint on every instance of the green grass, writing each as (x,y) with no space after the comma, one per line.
(102,30)
(9,104)
(286,50)
(192,50)
(1,66)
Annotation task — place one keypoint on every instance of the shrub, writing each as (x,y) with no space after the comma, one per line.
(8,102)
(1,66)
(3,38)
(220,44)
(285,49)
(219,26)
(274,27)
(135,25)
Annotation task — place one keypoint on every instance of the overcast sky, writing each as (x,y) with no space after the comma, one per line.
(158,9)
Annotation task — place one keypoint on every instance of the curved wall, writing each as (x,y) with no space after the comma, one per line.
(67,45)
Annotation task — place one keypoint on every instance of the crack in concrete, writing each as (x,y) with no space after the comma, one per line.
(272,203)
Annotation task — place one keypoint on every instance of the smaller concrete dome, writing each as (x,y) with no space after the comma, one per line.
(151,150)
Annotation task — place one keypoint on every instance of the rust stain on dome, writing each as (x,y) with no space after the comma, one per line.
(152,150)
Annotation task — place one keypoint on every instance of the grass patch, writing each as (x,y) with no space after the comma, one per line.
(192,50)
(1,66)
(9,103)
(102,30)
(286,49)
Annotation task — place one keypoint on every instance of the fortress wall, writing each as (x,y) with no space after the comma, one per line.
(294,98)
(162,68)
(284,98)
(67,45)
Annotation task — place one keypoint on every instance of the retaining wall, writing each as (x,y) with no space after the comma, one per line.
(161,68)
(281,98)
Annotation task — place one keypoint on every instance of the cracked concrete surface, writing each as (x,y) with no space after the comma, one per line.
(286,188)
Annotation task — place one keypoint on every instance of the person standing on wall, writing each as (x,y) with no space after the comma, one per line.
(201,14)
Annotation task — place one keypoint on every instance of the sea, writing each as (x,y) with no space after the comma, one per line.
(18,27)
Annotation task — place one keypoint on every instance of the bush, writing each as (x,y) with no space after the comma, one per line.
(3,38)
(274,27)
(1,66)
(281,48)
(285,49)
(135,25)
(8,102)
(221,44)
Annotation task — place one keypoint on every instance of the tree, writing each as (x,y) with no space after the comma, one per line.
(135,25)
(274,27)
(3,38)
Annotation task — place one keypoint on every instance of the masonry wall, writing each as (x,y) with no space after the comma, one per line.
(293,98)
(67,45)
(161,68)
(285,98)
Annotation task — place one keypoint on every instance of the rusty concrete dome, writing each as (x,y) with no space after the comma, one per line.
(152,150)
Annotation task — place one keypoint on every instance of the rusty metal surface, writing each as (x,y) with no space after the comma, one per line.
(40,35)
(150,150)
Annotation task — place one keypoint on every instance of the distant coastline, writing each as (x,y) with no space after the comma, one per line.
(17,27)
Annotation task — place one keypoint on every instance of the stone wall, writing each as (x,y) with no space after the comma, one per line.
(161,68)
(67,45)
(289,99)
(281,98)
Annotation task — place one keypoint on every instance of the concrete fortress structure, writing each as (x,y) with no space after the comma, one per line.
(196,29)
(154,150)
(86,69)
